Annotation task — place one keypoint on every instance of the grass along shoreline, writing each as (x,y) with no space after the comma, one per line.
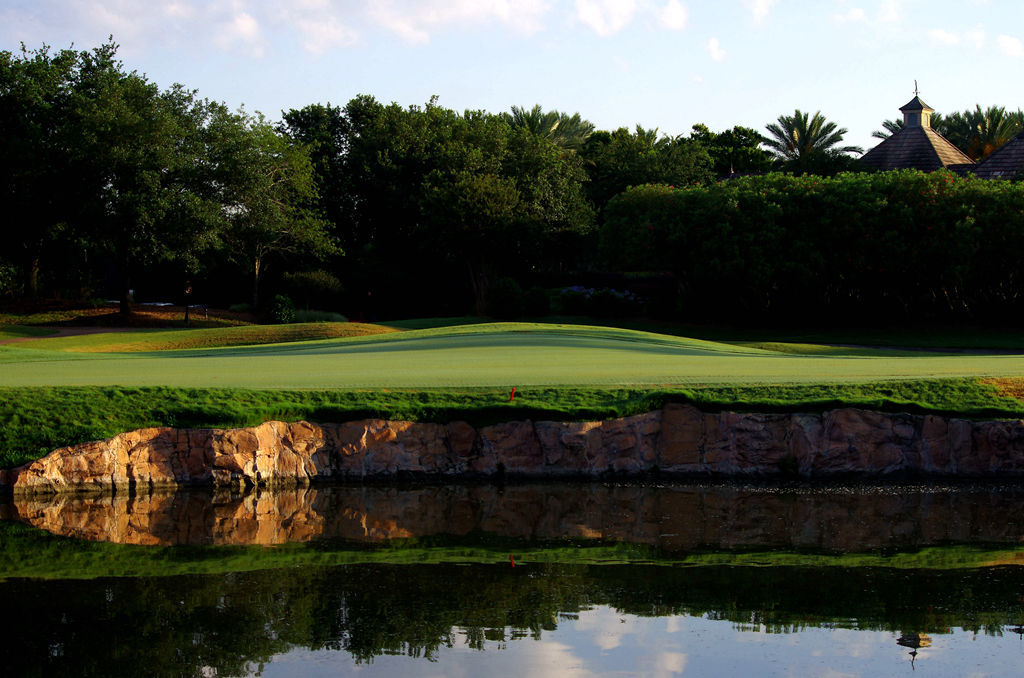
(31,552)
(36,420)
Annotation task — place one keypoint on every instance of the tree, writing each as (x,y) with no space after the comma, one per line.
(980,132)
(140,152)
(37,177)
(267,184)
(325,131)
(617,160)
(567,131)
(800,135)
(734,151)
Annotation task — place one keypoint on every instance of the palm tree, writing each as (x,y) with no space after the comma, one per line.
(889,127)
(979,132)
(800,135)
(568,131)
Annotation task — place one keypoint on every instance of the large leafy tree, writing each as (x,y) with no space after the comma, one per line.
(797,136)
(620,159)
(37,176)
(439,199)
(142,156)
(266,185)
(734,151)
(325,130)
(567,131)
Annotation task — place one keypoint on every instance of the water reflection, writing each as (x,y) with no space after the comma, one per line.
(590,620)
(674,518)
(246,610)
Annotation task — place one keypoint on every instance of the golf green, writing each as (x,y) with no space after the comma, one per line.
(480,355)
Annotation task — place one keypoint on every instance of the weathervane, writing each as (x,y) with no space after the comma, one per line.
(915,88)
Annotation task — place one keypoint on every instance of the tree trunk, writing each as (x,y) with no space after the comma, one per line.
(125,306)
(480,282)
(256,273)
(32,278)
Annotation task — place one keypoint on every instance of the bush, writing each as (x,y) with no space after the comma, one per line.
(313,288)
(601,302)
(536,303)
(281,310)
(304,316)
(505,299)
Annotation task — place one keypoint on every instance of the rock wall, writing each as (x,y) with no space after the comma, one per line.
(679,439)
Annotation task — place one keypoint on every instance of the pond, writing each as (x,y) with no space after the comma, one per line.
(532,579)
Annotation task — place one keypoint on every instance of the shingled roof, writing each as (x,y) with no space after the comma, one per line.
(916,146)
(1006,162)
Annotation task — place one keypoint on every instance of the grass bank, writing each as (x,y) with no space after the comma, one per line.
(35,420)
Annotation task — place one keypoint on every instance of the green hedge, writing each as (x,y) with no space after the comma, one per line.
(855,247)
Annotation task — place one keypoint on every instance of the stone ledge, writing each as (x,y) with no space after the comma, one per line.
(679,439)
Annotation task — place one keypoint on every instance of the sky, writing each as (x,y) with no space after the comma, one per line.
(665,64)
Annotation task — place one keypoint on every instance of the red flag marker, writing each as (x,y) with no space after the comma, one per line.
(513,394)
(511,560)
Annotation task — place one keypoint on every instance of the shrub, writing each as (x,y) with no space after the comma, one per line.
(318,288)
(304,316)
(505,299)
(536,303)
(602,302)
(281,310)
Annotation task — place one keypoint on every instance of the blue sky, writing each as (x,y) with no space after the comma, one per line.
(659,63)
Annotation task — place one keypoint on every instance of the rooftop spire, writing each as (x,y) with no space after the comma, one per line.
(917,113)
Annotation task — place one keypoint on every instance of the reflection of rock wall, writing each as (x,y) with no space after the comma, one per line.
(675,518)
(678,439)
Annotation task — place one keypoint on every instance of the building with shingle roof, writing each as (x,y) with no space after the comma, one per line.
(917,145)
(1006,162)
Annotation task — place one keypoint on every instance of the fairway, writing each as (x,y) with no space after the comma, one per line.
(498,354)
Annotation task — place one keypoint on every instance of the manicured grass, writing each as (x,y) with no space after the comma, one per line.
(486,355)
(29,552)
(22,331)
(36,420)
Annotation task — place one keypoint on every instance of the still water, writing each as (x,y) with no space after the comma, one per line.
(548,580)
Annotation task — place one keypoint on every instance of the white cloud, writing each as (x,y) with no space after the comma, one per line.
(853,15)
(1010,46)
(976,36)
(320,36)
(941,37)
(759,8)
(414,20)
(715,49)
(891,11)
(673,16)
(606,17)
(240,28)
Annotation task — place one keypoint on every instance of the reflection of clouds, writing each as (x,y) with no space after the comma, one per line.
(606,627)
(669,664)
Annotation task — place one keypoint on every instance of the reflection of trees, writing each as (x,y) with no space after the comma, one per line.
(175,626)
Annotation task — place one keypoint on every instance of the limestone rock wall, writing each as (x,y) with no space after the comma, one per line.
(679,439)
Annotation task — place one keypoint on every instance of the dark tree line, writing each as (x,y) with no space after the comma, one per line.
(113,184)
(106,178)
(378,210)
